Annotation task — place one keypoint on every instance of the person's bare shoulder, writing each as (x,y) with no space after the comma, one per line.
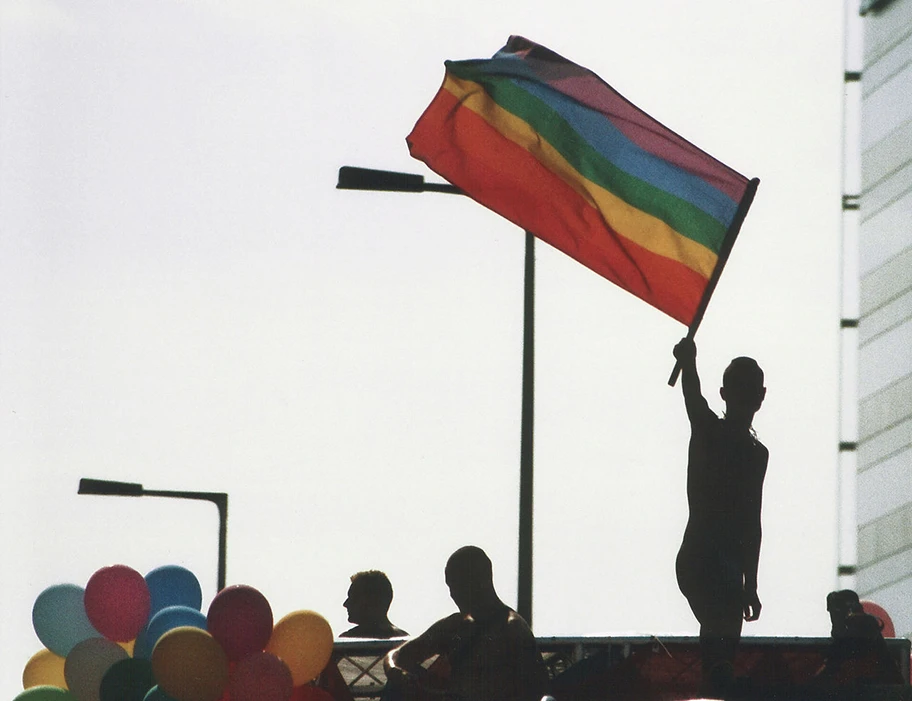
(518,628)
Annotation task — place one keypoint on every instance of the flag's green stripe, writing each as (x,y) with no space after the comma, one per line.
(621,218)
(684,217)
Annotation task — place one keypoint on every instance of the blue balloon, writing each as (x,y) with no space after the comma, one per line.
(163,621)
(173,585)
(141,649)
(60,620)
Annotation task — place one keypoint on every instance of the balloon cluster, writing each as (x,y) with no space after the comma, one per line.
(125,637)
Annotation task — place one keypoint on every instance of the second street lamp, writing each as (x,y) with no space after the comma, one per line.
(132,489)
(352,178)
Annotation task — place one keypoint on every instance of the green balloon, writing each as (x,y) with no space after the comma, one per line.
(45,693)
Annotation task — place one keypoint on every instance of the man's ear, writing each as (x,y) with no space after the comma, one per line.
(722,393)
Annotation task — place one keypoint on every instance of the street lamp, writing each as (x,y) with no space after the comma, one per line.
(352,178)
(131,489)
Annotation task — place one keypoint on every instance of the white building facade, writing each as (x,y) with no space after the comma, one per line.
(883,452)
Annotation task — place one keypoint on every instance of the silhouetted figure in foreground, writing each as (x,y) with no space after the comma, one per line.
(717,563)
(840,605)
(858,655)
(368,603)
(489,649)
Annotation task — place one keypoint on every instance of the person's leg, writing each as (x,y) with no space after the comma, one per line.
(720,632)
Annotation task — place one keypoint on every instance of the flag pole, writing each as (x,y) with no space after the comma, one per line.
(727,244)
(527,423)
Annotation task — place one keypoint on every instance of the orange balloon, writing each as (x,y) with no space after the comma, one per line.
(304,641)
(189,665)
(44,669)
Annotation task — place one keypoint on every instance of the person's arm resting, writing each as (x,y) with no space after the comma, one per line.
(406,661)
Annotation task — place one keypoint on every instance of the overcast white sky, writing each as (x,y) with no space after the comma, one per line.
(187,302)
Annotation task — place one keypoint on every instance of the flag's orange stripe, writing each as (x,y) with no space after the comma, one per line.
(508,179)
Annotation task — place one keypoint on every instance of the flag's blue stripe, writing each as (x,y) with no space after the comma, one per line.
(606,138)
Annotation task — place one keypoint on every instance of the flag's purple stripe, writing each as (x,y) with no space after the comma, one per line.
(535,62)
(607,139)
(651,136)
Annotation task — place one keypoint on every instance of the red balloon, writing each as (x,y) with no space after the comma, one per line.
(876,610)
(260,677)
(306,692)
(240,619)
(117,602)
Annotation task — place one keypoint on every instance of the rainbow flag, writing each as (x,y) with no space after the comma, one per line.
(556,150)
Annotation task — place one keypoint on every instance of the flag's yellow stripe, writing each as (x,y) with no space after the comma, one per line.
(633,224)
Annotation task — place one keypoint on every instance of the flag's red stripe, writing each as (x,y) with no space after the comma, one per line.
(509,180)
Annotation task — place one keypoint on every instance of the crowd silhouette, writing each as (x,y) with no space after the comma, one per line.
(487,652)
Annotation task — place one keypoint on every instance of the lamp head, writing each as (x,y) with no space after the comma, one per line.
(352,178)
(109,488)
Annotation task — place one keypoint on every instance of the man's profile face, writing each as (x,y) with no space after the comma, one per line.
(355,603)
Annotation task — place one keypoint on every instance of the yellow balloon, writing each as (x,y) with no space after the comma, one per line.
(44,669)
(128,646)
(190,665)
(304,641)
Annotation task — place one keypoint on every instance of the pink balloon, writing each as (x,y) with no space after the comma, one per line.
(260,677)
(117,602)
(878,611)
(240,619)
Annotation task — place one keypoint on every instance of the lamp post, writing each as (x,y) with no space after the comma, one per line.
(352,178)
(131,489)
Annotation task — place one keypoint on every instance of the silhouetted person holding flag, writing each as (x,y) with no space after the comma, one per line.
(487,651)
(717,563)
(368,602)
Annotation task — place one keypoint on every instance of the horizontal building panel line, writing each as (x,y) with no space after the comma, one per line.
(869,214)
(906,506)
(869,87)
(889,385)
(878,271)
(882,458)
(901,322)
(874,76)
(870,60)
(873,321)
(899,420)
(875,145)
(894,581)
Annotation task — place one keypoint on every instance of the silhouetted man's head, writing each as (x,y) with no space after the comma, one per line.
(742,385)
(469,577)
(369,596)
(842,604)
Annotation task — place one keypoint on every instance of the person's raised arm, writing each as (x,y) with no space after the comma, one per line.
(685,352)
